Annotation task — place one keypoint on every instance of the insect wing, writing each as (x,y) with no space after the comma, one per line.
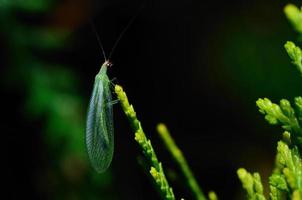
(99,127)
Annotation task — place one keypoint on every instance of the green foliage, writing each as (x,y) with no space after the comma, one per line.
(287,176)
(179,158)
(252,184)
(156,169)
(294,15)
(295,54)
(278,181)
(289,162)
(286,179)
(284,115)
(212,195)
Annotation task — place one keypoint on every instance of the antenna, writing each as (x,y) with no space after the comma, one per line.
(98,38)
(124,31)
(119,37)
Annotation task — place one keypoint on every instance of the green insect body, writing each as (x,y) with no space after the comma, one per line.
(99,124)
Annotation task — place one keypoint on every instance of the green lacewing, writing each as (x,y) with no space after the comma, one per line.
(99,123)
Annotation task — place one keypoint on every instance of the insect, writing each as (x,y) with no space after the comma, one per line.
(99,124)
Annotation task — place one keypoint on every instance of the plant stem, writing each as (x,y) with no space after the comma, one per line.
(156,169)
(179,158)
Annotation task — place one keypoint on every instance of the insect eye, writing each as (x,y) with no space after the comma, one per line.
(109,64)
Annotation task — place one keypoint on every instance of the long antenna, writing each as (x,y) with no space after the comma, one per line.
(98,38)
(123,32)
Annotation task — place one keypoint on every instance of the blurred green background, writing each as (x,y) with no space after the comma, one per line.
(198,66)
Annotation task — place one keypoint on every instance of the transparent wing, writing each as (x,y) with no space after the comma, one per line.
(99,126)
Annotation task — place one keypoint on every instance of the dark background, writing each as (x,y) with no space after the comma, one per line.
(198,66)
